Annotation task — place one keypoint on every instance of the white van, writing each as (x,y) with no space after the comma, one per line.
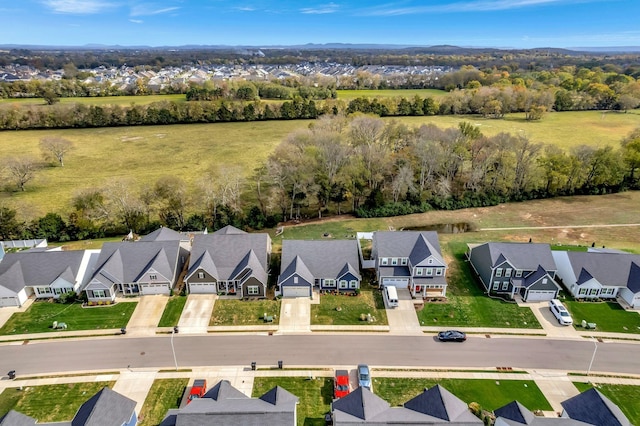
(560,312)
(390,295)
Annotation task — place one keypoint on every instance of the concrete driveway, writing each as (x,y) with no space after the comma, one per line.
(135,385)
(549,322)
(295,315)
(403,319)
(147,314)
(196,314)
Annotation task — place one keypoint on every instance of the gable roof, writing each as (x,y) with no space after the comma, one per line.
(609,269)
(525,256)
(416,245)
(224,390)
(126,262)
(296,267)
(594,408)
(534,277)
(36,268)
(226,254)
(13,418)
(322,258)
(516,412)
(164,234)
(442,404)
(279,395)
(361,404)
(105,408)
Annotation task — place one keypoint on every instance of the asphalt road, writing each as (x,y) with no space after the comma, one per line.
(40,357)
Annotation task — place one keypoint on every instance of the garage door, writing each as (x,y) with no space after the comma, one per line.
(296,291)
(396,282)
(8,301)
(154,289)
(537,295)
(202,288)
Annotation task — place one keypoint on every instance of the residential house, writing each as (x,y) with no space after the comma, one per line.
(224,405)
(600,275)
(510,269)
(410,259)
(41,274)
(229,262)
(140,268)
(593,408)
(105,408)
(433,406)
(331,265)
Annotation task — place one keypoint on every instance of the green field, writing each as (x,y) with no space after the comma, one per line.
(99,100)
(348,95)
(40,316)
(49,403)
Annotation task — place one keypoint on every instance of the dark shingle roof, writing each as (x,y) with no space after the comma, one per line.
(279,395)
(440,403)
(323,258)
(18,270)
(361,403)
(164,234)
(516,412)
(594,408)
(407,243)
(105,408)
(610,269)
(296,267)
(223,390)
(526,256)
(13,418)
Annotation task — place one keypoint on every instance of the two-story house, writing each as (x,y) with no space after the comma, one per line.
(509,269)
(410,259)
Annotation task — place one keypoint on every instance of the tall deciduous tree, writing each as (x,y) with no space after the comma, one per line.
(55,148)
(21,170)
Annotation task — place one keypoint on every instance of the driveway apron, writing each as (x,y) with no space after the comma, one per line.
(135,385)
(295,315)
(145,318)
(196,314)
(403,319)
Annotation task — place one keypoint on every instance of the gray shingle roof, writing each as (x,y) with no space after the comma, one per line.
(13,418)
(516,412)
(361,404)
(18,270)
(610,269)
(442,404)
(323,258)
(594,408)
(296,267)
(412,244)
(525,256)
(164,234)
(126,262)
(105,408)
(225,254)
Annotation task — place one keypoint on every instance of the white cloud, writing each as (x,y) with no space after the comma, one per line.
(320,10)
(469,6)
(79,7)
(136,21)
(147,9)
(245,8)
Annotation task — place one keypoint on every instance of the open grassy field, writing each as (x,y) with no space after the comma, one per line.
(49,403)
(621,395)
(40,315)
(163,395)
(348,95)
(315,395)
(490,394)
(101,100)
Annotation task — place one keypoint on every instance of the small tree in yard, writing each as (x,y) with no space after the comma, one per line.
(21,170)
(55,148)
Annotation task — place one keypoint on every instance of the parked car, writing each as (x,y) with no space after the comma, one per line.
(364,376)
(560,312)
(198,390)
(452,336)
(341,384)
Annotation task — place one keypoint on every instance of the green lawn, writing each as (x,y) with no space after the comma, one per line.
(315,395)
(49,403)
(348,95)
(350,309)
(624,396)
(39,317)
(172,311)
(490,394)
(101,100)
(608,316)
(466,303)
(163,395)
(244,312)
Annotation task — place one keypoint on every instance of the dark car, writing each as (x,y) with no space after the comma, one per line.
(452,336)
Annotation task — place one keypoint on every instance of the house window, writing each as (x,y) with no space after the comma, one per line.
(384,261)
(499,272)
(507,272)
(607,291)
(593,292)
(429,271)
(329,283)
(353,284)
(295,280)
(496,285)
(44,290)
(418,271)
(343,284)
(253,289)
(582,291)
(394,261)
(153,277)
(99,293)
(505,285)
(518,273)
(403,261)
(439,271)
(201,275)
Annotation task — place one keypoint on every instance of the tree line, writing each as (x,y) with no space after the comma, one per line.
(358,164)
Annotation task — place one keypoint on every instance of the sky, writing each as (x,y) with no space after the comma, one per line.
(468,23)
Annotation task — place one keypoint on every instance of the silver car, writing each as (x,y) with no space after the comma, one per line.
(364,376)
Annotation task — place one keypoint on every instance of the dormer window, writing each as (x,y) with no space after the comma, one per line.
(519,273)
(394,261)
(430,261)
(384,261)
(153,277)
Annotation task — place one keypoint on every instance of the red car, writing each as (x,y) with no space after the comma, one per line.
(198,390)
(341,384)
